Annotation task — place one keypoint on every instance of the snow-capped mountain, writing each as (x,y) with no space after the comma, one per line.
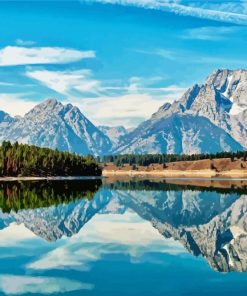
(54,125)
(208,118)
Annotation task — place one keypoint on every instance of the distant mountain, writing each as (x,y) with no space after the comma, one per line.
(208,118)
(114,133)
(54,125)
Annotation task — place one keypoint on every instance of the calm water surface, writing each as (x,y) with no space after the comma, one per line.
(88,237)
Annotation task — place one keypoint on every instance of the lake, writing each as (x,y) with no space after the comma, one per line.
(123,237)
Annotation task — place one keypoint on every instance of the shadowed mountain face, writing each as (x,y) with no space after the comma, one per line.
(207,221)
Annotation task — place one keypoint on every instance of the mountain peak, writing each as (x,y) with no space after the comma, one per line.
(52,102)
(49,106)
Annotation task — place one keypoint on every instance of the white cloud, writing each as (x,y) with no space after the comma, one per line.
(15,55)
(18,285)
(226,13)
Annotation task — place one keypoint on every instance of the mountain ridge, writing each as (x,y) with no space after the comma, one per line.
(208,118)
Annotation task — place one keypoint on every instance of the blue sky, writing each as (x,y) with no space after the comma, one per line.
(118,60)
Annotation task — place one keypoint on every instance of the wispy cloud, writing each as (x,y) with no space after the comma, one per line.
(181,56)
(164,53)
(65,82)
(191,8)
(15,55)
(21,42)
(210,33)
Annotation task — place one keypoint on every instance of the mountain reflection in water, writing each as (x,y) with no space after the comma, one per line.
(206,218)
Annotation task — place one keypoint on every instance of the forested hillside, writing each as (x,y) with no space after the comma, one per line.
(24,160)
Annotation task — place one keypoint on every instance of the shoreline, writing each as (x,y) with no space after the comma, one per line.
(207,173)
(50,178)
(187,174)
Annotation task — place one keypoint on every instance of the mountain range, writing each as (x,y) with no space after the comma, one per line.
(208,118)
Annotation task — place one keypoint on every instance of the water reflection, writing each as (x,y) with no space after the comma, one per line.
(85,222)
(17,195)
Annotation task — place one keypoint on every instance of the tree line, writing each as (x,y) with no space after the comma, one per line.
(28,160)
(147,159)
